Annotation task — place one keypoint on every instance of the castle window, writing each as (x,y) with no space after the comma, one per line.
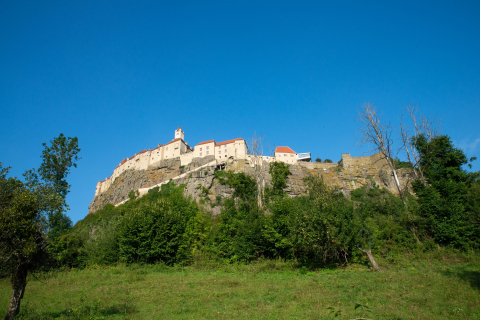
(200,149)
(225,150)
(167,148)
(208,152)
(279,155)
(291,155)
(285,155)
(219,152)
(200,154)
(207,147)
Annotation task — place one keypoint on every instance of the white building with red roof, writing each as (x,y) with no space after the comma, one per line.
(235,149)
(285,154)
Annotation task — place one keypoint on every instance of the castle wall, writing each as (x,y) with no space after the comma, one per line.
(317,165)
(173,149)
(235,149)
(186,158)
(232,149)
(205,149)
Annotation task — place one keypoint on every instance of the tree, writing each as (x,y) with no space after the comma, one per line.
(380,135)
(22,235)
(279,172)
(318,160)
(444,200)
(31,212)
(428,127)
(256,146)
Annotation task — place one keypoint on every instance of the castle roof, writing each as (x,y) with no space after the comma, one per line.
(179,128)
(227,142)
(204,142)
(284,150)
(175,140)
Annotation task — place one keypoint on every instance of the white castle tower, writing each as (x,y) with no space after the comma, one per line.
(180,134)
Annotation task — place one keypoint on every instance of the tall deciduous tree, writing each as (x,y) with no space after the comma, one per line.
(444,200)
(31,212)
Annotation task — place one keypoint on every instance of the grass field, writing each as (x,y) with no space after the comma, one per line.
(438,289)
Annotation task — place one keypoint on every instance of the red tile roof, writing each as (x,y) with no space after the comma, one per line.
(179,128)
(227,142)
(157,147)
(204,142)
(284,150)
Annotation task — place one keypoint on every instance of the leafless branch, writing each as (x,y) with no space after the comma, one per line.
(375,132)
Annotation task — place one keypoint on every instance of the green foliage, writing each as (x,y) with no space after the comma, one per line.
(66,251)
(244,186)
(279,172)
(401,164)
(239,234)
(32,217)
(328,161)
(324,224)
(102,247)
(131,195)
(387,218)
(22,226)
(447,201)
(321,227)
(163,228)
(50,181)
(33,210)
(57,161)
(204,191)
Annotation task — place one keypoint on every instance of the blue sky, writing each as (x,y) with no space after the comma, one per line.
(122,76)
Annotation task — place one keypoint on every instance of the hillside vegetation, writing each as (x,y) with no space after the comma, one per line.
(274,256)
(320,228)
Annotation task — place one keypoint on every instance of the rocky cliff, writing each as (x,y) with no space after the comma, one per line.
(199,180)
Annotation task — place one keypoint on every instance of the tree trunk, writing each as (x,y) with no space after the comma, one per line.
(397,183)
(19,282)
(371,258)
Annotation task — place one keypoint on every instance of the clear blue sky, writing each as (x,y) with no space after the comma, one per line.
(122,76)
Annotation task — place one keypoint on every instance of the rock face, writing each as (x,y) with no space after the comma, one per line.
(351,173)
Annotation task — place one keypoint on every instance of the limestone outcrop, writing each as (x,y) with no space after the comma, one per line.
(199,180)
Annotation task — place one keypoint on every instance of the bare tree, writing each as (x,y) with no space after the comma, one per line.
(380,135)
(256,147)
(429,127)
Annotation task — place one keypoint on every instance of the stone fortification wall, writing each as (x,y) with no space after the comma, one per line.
(351,173)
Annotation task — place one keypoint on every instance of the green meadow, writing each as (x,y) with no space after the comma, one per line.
(444,286)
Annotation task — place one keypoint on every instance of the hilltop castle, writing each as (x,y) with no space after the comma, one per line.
(177,148)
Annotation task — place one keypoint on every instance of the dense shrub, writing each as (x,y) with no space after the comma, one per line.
(164,226)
